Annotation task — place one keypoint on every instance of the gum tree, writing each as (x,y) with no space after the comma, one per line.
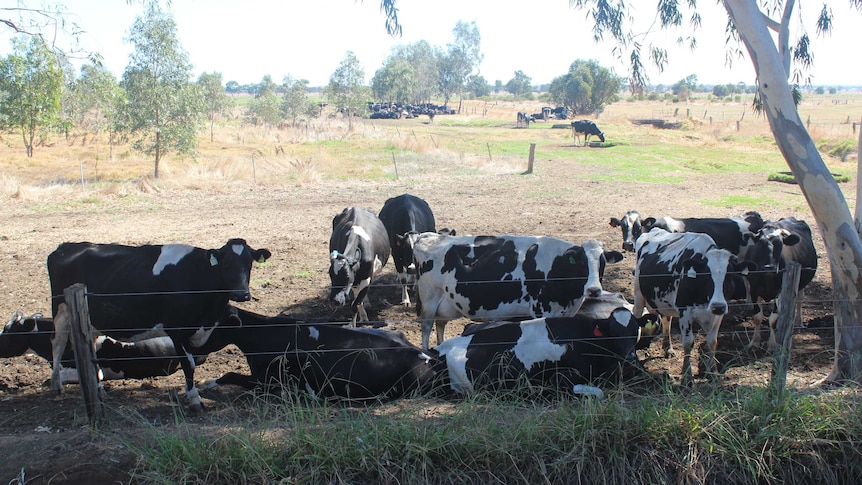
(777,63)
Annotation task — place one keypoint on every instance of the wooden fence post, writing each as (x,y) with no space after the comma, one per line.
(530,160)
(85,355)
(784,327)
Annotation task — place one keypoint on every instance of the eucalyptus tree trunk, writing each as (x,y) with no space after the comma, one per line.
(827,203)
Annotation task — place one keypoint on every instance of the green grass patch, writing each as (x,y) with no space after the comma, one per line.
(730,201)
(788,177)
(703,434)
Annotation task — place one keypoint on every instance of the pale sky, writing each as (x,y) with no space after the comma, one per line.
(307,39)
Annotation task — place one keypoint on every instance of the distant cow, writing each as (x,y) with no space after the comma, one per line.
(358,250)
(524,119)
(181,289)
(503,277)
(327,361)
(143,359)
(404,215)
(586,128)
(556,353)
(686,275)
(794,239)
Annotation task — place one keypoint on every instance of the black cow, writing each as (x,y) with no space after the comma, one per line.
(503,277)
(358,250)
(561,353)
(404,215)
(150,357)
(686,275)
(327,361)
(524,119)
(586,128)
(181,289)
(793,239)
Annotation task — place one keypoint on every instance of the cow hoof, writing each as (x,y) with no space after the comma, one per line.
(196,408)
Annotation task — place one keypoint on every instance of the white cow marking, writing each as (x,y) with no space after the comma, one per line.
(359,231)
(455,351)
(314,333)
(623,317)
(201,336)
(534,345)
(238,249)
(170,254)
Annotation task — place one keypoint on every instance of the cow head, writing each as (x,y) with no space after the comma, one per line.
(590,263)
(402,252)
(766,253)
(601,136)
(631,226)
(711,278)
(342,271)
(232,263)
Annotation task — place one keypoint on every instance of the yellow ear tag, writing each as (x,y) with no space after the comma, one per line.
(261,259)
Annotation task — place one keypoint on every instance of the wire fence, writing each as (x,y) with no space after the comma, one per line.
(738,309)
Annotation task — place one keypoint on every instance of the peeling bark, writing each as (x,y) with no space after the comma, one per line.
(827,203)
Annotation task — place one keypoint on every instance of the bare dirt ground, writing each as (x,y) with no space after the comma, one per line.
(46,436)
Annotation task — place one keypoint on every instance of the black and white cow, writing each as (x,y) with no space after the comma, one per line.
(358,250)
(524,119)
(562,353)
(686,275)
(150,357)
(503,277)
(327,361)
(404,215)
(792,238)
(179,288)
(731,233)
(586,128)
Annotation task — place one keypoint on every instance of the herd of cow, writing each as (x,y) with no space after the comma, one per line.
(544,316)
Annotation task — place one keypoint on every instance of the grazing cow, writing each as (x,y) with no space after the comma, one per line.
(586,128)
(181,289)
(503,277)
(358,250)
(524,119)
(404,215)
(792,238)
(686,275)
(327,361)
(557,353)
(150,357)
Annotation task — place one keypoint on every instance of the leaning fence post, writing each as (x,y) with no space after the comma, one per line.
(530,160)
(784,327)
(85,357)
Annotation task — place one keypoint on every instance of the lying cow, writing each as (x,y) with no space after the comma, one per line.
(587,128)
(686,275)
(181,289)
(793,239)
(404,215)
(358,250)
(327,361)
(557,353)
(503,277)
(150,357)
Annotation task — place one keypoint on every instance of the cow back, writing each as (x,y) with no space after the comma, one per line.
(402,215)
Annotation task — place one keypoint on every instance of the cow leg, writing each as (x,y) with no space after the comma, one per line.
(757,320)
(440,325)
(62,332)
(359,296)
(711,370)
(687,344)
(427,319)
(405,295)
(666,345)
(188,366)
(770,346)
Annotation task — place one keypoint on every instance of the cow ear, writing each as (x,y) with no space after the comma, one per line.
(615,222)
(790,239)
(648,223)
(261,255)
(613,256)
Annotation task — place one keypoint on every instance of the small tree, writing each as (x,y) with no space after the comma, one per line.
(265,108)
(394,81)
(347,89)
(519,84)
(31,82)
(586,88)
(164,108)
(217,103)
(294,102)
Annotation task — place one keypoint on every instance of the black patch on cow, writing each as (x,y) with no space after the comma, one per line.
(485,278)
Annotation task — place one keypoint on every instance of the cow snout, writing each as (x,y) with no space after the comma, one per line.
(594,291)
(339,298)
(718,308)
(240,296)
(628,246)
